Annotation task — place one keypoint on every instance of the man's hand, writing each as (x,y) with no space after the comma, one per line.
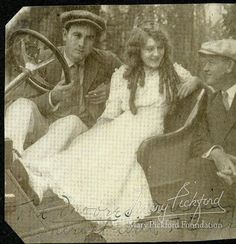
(98,95)
(188,87)
(227,175)
(223,161)
(233,158)
(62,92)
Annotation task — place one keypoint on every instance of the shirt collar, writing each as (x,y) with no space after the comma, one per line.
(229,94)
(231,91)
(70,63)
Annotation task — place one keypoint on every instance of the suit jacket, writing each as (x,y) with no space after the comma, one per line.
(98,68)
(217,127)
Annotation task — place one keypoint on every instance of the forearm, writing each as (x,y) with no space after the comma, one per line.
(200,147)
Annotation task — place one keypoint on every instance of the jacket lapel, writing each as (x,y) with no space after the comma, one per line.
(54,70)
(90,73)
(231,116)
(217,118)
(221,121)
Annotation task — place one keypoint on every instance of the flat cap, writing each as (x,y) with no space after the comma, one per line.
(224,47)
(79,16)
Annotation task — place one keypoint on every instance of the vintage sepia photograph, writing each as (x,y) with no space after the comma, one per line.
(120,123)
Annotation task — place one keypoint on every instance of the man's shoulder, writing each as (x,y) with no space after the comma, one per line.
(103,56)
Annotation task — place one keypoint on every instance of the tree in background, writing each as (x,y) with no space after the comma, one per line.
(187,25)
(179,21)
(230,20)
(46,20)
(120,20)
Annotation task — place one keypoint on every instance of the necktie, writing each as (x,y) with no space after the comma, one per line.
(73,100)
(225,98)
(74,72)
(75,103)
(77,100)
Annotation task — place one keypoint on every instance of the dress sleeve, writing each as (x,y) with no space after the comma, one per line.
(184,75)
(113,104)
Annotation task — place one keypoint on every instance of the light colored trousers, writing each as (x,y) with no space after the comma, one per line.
(25,125)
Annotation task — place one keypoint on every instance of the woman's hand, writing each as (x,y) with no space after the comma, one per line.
(188,87)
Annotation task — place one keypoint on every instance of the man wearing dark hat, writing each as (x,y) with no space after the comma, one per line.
(30,116)
(213,169)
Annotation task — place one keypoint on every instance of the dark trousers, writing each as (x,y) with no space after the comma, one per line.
(201,174)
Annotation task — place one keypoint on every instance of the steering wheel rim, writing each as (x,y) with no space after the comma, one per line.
(51,46)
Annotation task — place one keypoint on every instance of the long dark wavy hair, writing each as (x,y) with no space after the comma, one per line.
(135,74)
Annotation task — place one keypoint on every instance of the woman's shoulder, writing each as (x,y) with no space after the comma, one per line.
(181,71)
(119,73)
(121,70)
(118,79)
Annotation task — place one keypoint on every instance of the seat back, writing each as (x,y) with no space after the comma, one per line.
(163,157)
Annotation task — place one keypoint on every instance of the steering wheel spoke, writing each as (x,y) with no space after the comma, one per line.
(35,67)
(26,57)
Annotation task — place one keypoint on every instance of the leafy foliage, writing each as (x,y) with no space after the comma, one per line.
(230,20)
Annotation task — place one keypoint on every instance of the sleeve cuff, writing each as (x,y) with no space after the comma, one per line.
(54,107)
(207,155)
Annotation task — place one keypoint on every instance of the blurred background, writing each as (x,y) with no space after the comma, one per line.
(187,25)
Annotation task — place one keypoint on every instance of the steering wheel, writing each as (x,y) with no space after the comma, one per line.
(29,71)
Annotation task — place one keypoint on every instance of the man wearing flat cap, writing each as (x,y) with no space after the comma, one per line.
(84,99)
(212,171)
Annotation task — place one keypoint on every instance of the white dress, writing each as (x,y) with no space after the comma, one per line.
(98,173)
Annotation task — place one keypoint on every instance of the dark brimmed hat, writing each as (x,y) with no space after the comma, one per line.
(82,16)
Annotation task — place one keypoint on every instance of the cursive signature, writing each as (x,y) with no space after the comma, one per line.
(184,200)
(175,206)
